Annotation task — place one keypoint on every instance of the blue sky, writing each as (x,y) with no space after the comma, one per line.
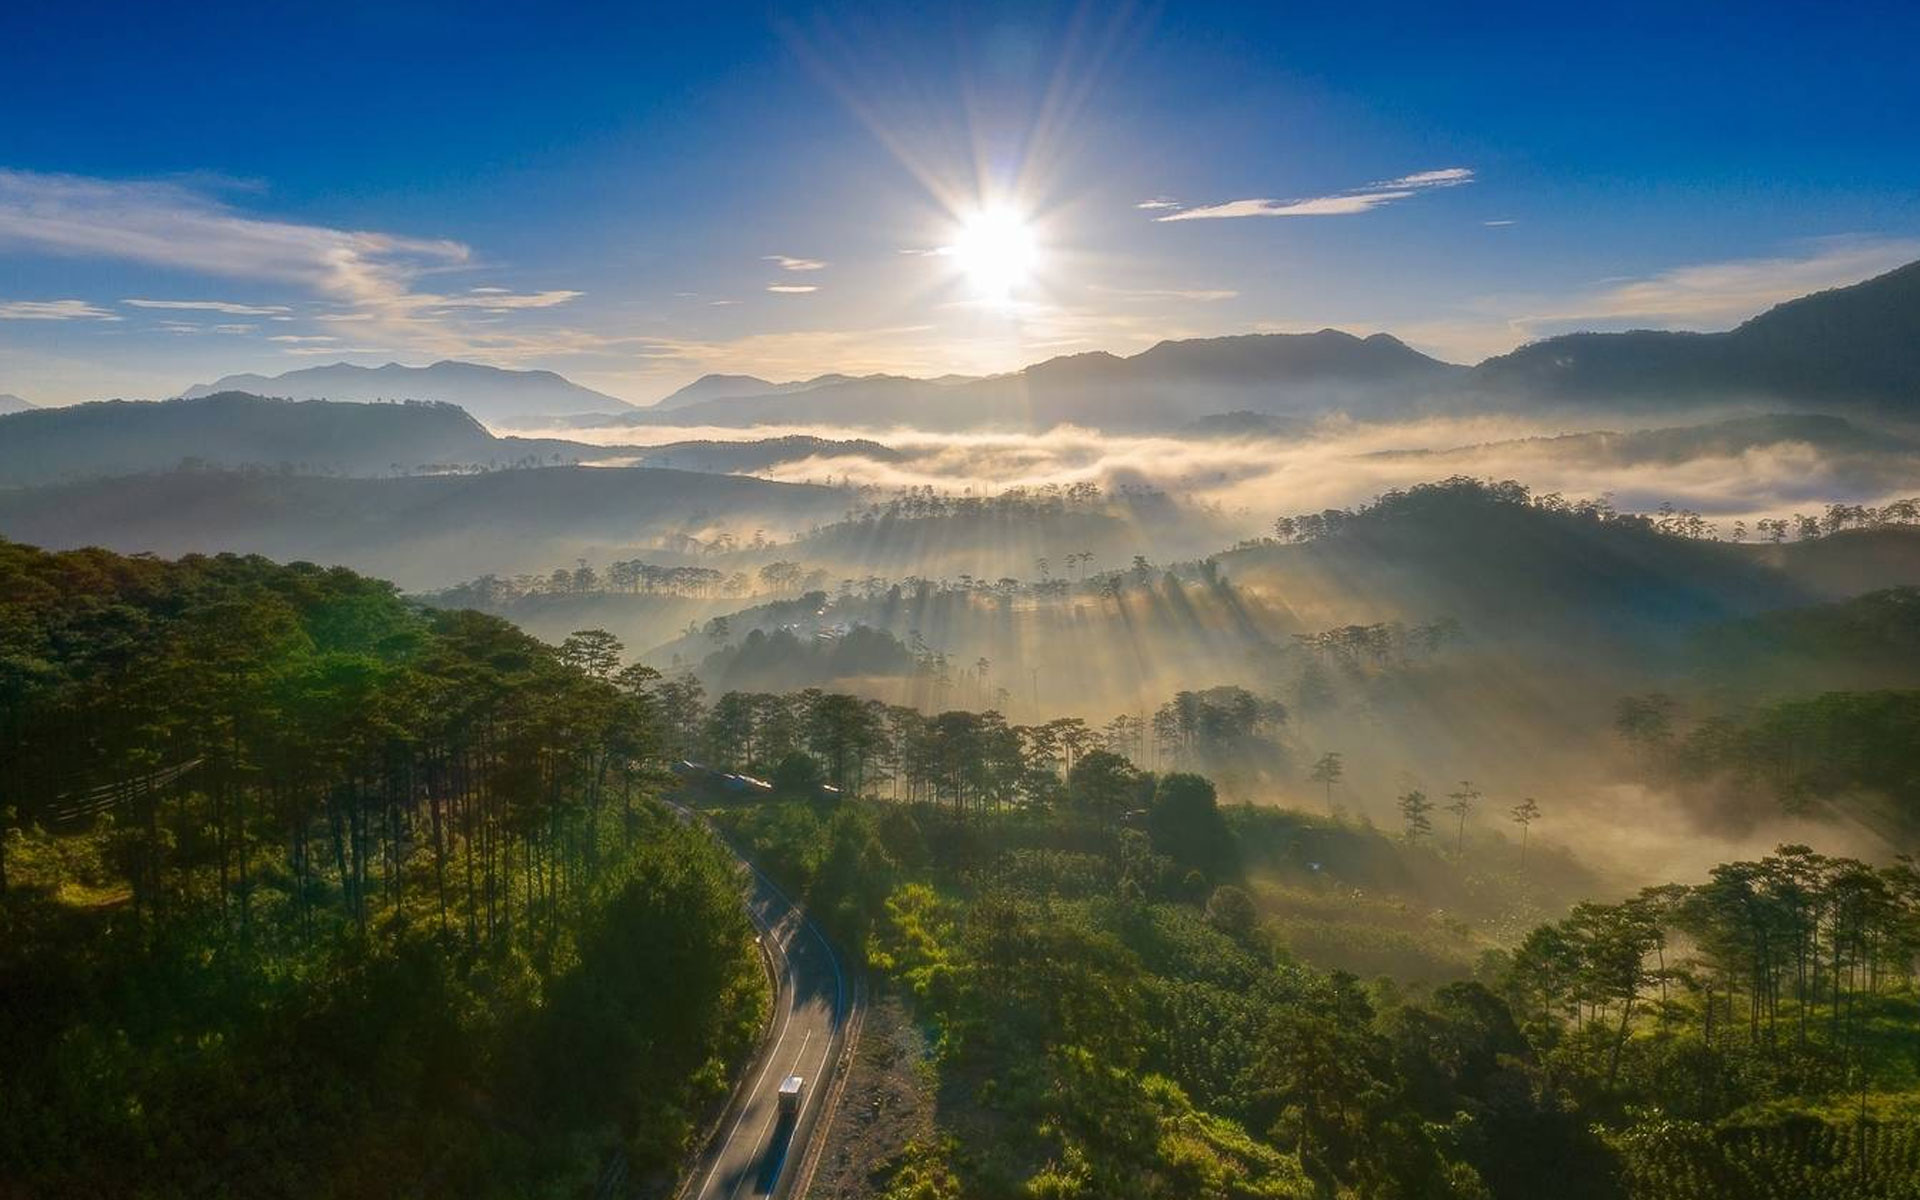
(634,195)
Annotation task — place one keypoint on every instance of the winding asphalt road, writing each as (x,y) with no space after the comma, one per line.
(756,1152)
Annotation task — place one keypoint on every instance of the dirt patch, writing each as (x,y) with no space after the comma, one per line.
(887,1103)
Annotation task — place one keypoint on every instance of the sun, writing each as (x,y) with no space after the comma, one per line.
(996,250)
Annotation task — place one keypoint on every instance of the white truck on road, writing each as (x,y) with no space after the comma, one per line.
(790,1090)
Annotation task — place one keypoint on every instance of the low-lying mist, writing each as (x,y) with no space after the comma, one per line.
(1740,469)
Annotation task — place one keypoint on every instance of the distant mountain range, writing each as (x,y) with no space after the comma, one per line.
(1855,347)
(10,403)
(1165,387)
(327,437)
(489,393)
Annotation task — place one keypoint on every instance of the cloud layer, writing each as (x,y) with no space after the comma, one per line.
(1357,200)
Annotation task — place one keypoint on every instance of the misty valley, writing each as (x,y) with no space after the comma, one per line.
(1453,799)
(973,602)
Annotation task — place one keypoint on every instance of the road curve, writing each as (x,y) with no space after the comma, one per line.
(754,1151)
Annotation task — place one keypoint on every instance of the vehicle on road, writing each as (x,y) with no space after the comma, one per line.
(790,1092)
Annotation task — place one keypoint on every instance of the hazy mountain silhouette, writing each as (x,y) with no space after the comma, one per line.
(1856,345)
(233,429)
(236,430)
(741,387)
(1166,386)
(10,403)
(489,393)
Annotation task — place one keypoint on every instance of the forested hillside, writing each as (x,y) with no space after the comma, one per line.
(305,891)
(1127,987)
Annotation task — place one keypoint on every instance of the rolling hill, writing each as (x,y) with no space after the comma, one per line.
(489,393)
(421,531)
(233,429)
(1854,346)
(760,454)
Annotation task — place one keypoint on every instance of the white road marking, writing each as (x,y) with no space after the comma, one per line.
(785,1018)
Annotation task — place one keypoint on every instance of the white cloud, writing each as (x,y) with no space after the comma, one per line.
(789,263)
(219,306)
(1158,202)
(366,276)
(1496,224)
(1444,177)
(53,310)
(188,327)
(791,289)
(499,299)
(1341,204)
(167,225)
(295,339)
(1319,206)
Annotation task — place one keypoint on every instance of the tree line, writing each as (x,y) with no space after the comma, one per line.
(1668,519)
(312,884)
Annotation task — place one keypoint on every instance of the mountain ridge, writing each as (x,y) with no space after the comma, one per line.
(1858,344)
(488,393)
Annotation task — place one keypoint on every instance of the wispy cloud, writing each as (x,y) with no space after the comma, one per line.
(364,276)
(1348,203)
(499,300)
(789,263)
(1444,177)
(220,306)
(166,225)
(792,289)
(190,328)
(1496,224)
(53,310)
(1158,202)
(297,339)
(1318,206)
